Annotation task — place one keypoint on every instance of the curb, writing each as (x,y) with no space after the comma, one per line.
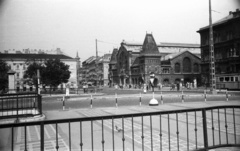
(22,120)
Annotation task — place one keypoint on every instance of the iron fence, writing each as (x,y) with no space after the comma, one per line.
(182,129)
(20,104)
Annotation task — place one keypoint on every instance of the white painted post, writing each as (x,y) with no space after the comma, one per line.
(116,100)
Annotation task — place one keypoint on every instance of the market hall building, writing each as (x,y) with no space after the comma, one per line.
(133,63)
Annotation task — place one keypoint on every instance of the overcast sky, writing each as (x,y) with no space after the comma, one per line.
(73,25)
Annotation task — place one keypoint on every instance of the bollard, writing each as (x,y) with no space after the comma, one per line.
(91,101)
(226,95)
(161,98)
(140,100)
(182,97)
(116,100)
(205,96)
(63,103)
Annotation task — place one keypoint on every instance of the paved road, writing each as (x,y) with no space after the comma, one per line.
(158,133)
(134,99)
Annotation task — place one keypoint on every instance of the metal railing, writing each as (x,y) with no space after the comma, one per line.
(20,104)
(187,129)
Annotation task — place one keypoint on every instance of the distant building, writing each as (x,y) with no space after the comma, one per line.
(95,71)
(226,51)
(133,63)
(56,51)
(19,63)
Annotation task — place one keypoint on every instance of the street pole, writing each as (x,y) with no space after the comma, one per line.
(211,51)
(38,81)
(96,64)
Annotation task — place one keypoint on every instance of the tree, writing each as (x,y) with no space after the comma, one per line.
(55,73)
(52,72)
(30,75)
(4,68)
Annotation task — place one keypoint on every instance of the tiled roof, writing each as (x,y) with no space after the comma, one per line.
(149,46)
(135,62)
(33,56)
(231,16)
(113,59)
(167,44)
(173,55)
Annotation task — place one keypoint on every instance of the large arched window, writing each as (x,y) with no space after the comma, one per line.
(177,68)
(166,82)
(195,67)
(186,65)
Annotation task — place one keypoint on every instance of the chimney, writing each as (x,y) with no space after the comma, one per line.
(230,12)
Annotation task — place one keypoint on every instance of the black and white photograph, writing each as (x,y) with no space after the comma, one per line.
(119,75)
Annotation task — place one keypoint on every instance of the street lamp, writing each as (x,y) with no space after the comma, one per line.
(153,101)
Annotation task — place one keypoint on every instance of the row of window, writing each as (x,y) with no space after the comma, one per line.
(187,66)
(217,37)
(227,79)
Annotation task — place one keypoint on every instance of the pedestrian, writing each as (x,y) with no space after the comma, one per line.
(178,86)
(172,86)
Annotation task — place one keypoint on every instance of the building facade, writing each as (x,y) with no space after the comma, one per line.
(19,62)
(226,33)
(95,71)
(132,64)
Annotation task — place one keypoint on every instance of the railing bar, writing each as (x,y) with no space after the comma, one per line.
(226,126)
(81,143)
(113,133)
(219,130)
(169,139)
(42,135)
(187,131)
(205,135)
(57,147)
(25,132)
(2,107)
(12,139)
(102,135)
(17,109)
(69,134)
(92,134)
(123,139)
(151,132)
(212,128)
(177,132)
(132,134)
(160,131)
(195,116)
(235,138)
(142,135)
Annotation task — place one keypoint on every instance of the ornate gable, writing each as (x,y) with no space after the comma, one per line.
(149,47)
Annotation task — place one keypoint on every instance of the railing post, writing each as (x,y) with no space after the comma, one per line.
(91,101)
(205,96)
(226,95)
(205,135)
(140,99)
(17,108)
(116,100)
(42,136)
(182,97)
(40,103)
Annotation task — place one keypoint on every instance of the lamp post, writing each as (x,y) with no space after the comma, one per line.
(153,101)
(38,81)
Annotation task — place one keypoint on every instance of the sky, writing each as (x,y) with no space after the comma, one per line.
(74,25)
